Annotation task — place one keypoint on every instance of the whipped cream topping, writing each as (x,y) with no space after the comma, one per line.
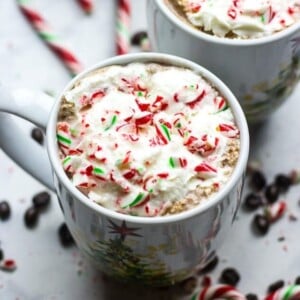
(138,138)
(244,19)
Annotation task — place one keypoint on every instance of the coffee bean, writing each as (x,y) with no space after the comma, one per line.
(252,201)
(261,224)
(275,286)
(4,210)
(297,280)
(65,236)
(1,254)
(138,37)
(210,266)
(251,297)
(283,182)
(31,217)
(257,180)
(37,135)
(272,193)
(41,200)
(230,276)
(189,284)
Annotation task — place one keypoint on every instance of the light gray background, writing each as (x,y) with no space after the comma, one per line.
(45,269)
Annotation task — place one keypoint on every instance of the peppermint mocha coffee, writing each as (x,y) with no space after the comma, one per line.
(242,19)
(147,139)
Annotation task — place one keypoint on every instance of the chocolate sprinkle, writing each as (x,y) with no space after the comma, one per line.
(275,286)
(31,217)
(65,236)
(4,210)
(230,276)
(37,135)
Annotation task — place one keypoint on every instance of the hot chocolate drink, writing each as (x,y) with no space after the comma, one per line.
(147,139)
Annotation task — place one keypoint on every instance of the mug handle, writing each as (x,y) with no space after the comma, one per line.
(35,107)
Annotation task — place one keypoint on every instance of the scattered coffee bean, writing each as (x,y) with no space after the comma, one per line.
(283,182)
(230,276)
(1,254)
(4,210)
(31,217)
(275,286)
(261,224)
(252,201)
(297,280)
(258,180)
(189,285)
(41,200)
(251,297)
(37,135)
(138,37)
(272,193)
(65,236)
(210,266)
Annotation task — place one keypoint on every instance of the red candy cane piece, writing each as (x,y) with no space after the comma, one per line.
(143,119)
(86,5)
(228,130)
(163,133)
(195,101)
(275,211)
(8,265)
(291,292)
(177,162)
(219,291)
(159,104)
(221,104)
(204,170)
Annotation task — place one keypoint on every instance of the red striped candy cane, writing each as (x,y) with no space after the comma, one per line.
(122,26)
(43,29)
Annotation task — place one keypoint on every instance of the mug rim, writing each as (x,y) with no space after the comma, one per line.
(224,41)
(240,120)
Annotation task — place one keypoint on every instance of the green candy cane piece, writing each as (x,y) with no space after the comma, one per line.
(288,292)
(166,131)
(137,200)
(98,171)
(112,123)
(63,140)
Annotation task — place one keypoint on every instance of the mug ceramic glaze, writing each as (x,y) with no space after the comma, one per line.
(153,251)
(260,72)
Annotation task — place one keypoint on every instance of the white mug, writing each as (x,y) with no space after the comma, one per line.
(151,250)
(260,72)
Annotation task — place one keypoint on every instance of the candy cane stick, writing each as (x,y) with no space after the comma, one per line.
(218,291)
(122,27)
(86,5)
(291,292)
(51,39)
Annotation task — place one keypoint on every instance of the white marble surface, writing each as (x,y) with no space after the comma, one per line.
(48,271)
